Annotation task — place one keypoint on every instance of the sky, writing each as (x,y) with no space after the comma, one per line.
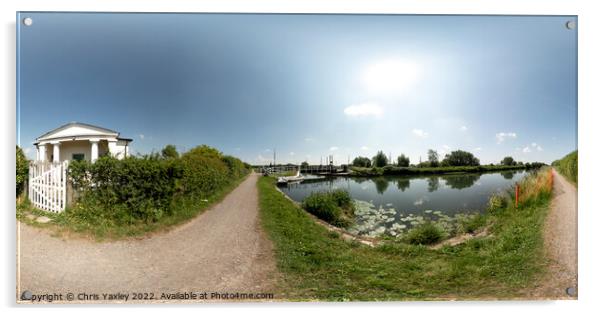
(306,86)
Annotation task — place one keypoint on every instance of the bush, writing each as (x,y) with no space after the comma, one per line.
(425,234)
(335,207)
(146,189)
(496,203)
(22,166)
(568,166)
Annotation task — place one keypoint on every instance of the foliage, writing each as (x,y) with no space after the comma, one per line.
(334,207)
(380,160)
(362,162)
(144,190)
(508,161)
(568,166)
(460,158)
(403,161)
(427,233)
(394,170)
(304,164)
(496,202)
(22,166)
(433,158)
(315,264)
(169,151)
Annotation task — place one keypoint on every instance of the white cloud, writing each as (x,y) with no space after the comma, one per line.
(364,109)
(365,148)
(534,144)
(463,128)
(501,137)
(420,133)
(334,148)
(527,149)
(141,136)
(478,149)
(262,159)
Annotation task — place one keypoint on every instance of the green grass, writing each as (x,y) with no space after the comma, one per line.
(105,229)
(317,264)
(568,166)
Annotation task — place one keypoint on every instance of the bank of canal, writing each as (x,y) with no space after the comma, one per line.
(393,204)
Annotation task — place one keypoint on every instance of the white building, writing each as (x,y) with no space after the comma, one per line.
(79,141)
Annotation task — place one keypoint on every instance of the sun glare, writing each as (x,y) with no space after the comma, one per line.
(391,76)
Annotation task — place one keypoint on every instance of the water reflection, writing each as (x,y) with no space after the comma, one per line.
(381,184)
(462,181)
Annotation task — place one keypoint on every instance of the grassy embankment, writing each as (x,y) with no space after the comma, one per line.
(567,166)
(392,170)
(316,264)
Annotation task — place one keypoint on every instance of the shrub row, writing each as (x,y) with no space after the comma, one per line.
(335,207)
(146,189)
(394,170)
(567,166)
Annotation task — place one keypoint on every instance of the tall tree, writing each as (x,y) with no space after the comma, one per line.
(433,158)
(403,161)
(380,160)
(460,158)
(508,161)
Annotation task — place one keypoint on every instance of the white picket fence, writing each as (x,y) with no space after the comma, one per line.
(48,185)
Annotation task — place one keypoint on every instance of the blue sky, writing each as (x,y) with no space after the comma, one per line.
(307,85)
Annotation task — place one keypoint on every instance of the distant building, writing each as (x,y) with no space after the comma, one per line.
(80,141)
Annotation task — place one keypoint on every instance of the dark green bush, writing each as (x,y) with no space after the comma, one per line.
(425,234)
(335,207)
(22,166)
(145,189)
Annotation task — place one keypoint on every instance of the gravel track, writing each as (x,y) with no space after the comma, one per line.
(222,250)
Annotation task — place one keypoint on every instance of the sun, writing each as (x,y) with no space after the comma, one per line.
(391,76)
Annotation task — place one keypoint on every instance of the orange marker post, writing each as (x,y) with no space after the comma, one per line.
(516,193)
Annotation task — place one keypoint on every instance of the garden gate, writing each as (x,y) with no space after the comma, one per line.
(48,185)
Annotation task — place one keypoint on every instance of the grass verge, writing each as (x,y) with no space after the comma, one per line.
(317,264)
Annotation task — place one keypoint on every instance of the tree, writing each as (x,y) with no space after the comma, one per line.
(380,160)
(460,158)
(169,152)
(362,162)
(22,170)
(433,158)
(508,161)
(403,161)
(304,164)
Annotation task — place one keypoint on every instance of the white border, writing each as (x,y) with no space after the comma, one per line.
(589,130)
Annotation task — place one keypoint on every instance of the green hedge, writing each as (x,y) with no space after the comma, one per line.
(22,166)
(568,166)
(146,189)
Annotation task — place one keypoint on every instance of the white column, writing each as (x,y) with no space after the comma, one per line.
(56,152)
(42,152)
(94,150)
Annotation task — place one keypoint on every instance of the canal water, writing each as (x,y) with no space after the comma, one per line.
(392,205)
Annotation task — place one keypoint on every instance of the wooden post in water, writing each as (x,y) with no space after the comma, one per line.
(516,194)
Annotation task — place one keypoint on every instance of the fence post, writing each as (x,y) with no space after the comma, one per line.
(516,195)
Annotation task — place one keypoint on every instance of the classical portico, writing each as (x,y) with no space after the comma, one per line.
(80,141)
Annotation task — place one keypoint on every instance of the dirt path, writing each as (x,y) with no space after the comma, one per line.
(223,249)
(561,240)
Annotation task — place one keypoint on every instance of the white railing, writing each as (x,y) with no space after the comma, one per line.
(48,185)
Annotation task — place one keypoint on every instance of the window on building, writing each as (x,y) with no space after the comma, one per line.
(78,157)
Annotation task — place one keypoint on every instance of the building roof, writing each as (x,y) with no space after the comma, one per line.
(79,129)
